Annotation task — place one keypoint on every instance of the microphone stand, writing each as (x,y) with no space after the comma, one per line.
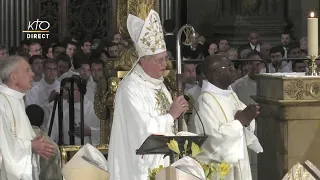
(82,91)
(60,117)
(195,109)
(180,84)
(71,113)
(56,99)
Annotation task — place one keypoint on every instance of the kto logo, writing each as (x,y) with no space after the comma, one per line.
(38,29)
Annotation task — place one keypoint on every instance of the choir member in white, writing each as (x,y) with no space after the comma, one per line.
(91,120)
(19,146)
(143,105)
(85,74)
(64,63)
(227,121)
(36,63)
(96,68)
(39,94)
(247,85)
(74,70)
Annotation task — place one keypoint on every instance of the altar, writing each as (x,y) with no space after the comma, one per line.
(289,122)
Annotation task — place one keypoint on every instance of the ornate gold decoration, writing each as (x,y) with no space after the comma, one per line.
(101,109)
(139,8)
(113,86)
(128,56)
(298,172)
(313,66)
(187,32)
(250,5)
(298,89)
(122,14)
(162,103)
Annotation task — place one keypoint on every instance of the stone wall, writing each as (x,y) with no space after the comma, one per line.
(299,10)
(232,20)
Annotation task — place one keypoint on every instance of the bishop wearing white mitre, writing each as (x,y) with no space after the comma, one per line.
(143,105)
(19,146)
(229,124)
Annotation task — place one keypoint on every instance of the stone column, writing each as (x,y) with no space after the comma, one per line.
(306,8)
(166,9)
(14,17)
(170,9)
(298,12)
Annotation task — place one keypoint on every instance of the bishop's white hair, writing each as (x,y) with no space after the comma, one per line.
(8,65)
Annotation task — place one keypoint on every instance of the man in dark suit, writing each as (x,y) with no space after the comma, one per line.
(253,41)
(194,50)
(170,38)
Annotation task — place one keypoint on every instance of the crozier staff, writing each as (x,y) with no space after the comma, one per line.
(19,146)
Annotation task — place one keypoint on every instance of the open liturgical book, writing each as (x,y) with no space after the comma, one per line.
(157,143)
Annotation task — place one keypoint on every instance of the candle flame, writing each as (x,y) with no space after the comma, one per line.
(312,14)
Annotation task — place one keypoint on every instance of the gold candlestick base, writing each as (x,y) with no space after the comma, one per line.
(313,66)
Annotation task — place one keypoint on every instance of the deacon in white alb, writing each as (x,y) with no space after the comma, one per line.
(227,121)
(39,94)
(143,105)
(19,145)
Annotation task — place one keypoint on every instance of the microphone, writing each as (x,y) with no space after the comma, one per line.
(187,98)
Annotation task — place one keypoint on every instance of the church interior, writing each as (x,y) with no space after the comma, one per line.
(85,46)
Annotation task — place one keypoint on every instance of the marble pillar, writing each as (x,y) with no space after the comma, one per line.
(166,9)
(170,9)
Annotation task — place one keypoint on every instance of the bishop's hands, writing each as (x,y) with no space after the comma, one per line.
(43,148)
(178,107)
(248,114)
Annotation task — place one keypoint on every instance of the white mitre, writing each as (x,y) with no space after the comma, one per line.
(147,35)
(87,163)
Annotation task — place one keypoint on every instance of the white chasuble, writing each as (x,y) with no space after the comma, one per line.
(141,109)
(90,119)
(228,139)
(39,94)
(16,133)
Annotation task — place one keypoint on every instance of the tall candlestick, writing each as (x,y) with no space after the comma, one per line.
(312,35)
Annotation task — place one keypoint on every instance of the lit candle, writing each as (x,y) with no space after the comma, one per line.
(312,35)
